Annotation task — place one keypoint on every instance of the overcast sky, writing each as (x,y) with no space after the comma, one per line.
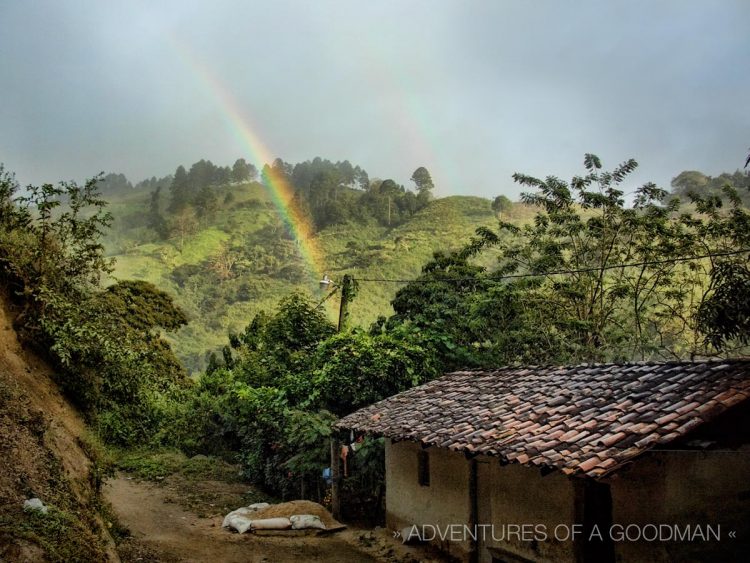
(473,90)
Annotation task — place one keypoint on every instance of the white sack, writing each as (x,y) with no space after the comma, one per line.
(34,504)
(238,522)
(305,521)
(272,524)
(240,513)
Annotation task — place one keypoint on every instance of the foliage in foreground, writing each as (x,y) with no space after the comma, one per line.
(283,382)
(104,343)
(591,279)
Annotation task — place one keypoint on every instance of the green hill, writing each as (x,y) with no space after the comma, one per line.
(261,264)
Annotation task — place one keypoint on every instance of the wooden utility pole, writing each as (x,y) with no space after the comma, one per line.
(346,294)
(347,289)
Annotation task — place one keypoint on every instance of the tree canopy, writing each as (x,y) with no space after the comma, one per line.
(590,279)
(693,183)
(501,204)
(422,179)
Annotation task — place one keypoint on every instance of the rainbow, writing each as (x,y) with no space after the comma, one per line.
(297,223)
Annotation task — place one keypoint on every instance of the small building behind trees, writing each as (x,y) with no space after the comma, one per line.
(592,463)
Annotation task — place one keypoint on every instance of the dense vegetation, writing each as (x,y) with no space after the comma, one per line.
(105,343)
(279,385)
(591,279)
(270,398)
(586,278)
(225,266)
(692,182)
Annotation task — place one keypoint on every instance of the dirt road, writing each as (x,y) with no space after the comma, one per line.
(171,533)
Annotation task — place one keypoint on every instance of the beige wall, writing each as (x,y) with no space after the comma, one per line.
(511,494)
(659,487)
(684,487)
(519,495)
(444,502)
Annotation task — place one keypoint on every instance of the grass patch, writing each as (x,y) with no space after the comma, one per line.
(201,467)
(151,466)
(60,534)
(158,465)
(139,267)
(202,246)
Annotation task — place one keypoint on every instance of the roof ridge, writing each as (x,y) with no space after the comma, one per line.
(696,361)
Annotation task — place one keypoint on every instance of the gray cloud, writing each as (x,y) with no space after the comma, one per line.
(472,90)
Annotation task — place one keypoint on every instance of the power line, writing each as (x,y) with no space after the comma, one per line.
(564,272)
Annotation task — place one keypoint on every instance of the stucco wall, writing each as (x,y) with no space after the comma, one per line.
(520,496)
(444,502)
(699,488)
(683,487)
(506,495)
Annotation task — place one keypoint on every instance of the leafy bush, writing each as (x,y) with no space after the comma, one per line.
(104,342)
(282,383)
(355,369)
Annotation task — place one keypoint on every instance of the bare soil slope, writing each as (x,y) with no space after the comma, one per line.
(45,452)
(42,454)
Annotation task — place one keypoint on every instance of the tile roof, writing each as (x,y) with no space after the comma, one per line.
(586,419)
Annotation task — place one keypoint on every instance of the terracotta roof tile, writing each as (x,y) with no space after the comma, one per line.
(667,418)
(589,464)
(627,441)
(586,419)
(612,439)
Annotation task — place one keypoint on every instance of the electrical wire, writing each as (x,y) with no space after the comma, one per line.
(563,272)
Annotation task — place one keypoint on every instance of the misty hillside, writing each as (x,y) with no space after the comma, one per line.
(214,238)
(241,260)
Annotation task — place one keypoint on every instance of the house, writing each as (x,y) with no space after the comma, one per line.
(607,462)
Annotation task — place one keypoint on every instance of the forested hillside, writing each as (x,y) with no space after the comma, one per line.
(226,260)
(215,238)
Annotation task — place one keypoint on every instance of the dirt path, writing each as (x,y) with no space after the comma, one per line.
(171,533)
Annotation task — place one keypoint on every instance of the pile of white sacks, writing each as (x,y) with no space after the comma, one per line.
(245,519)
